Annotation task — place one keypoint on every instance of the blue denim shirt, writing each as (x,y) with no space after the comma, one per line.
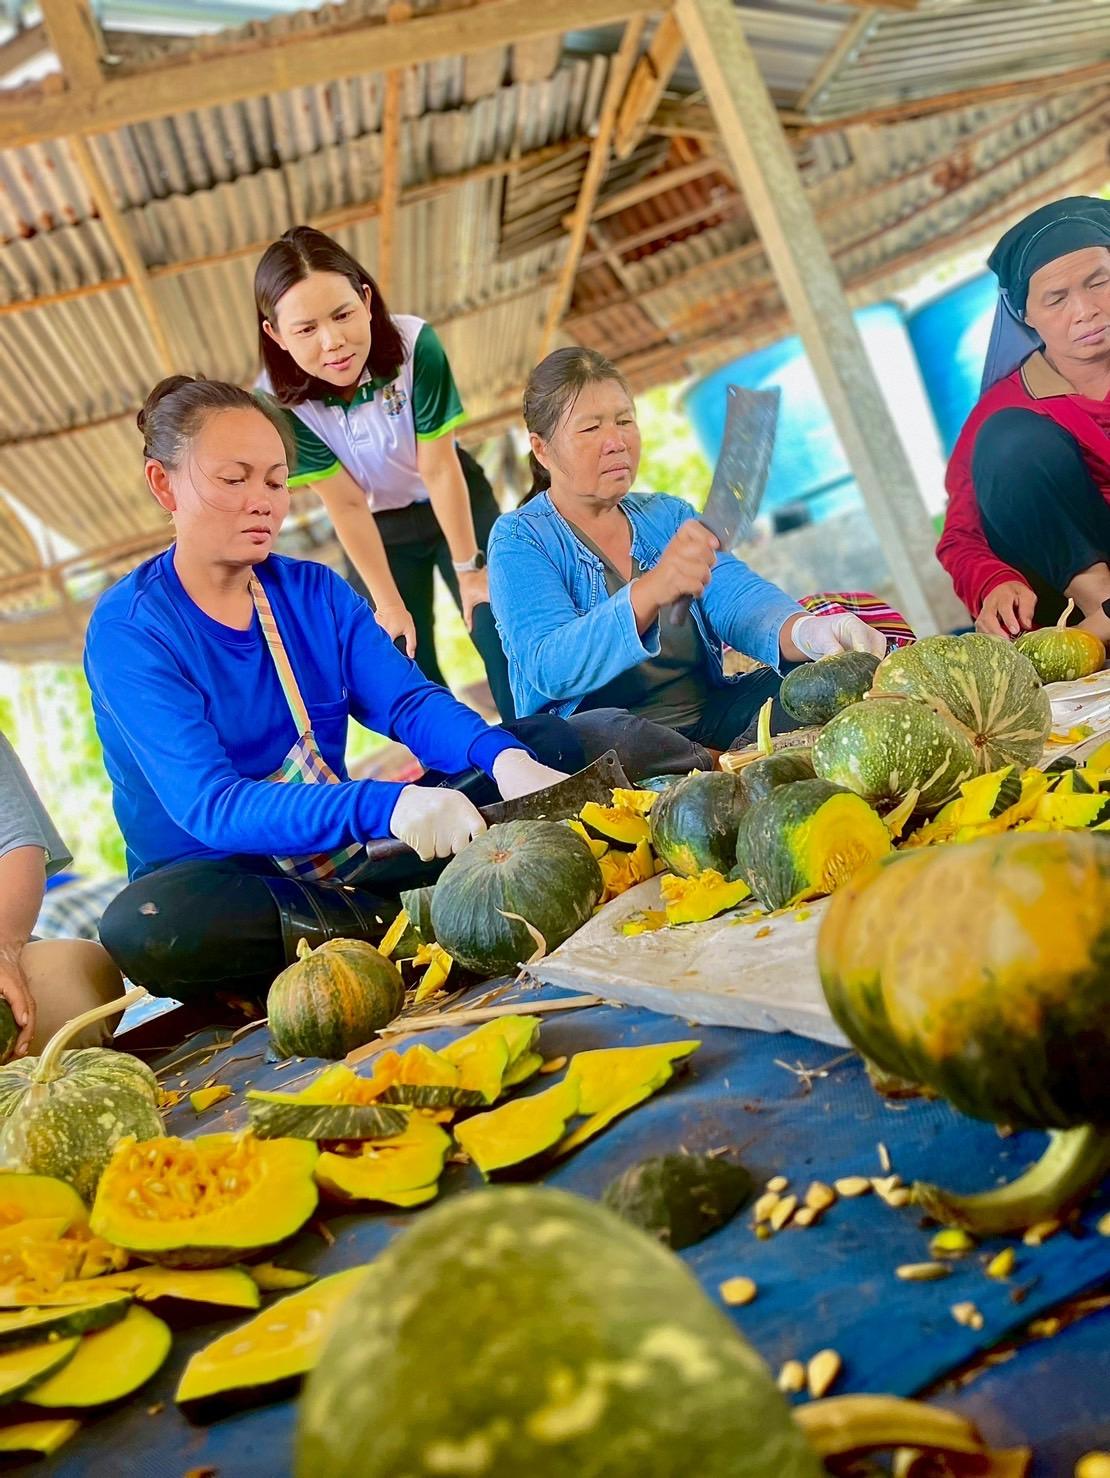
(565,636)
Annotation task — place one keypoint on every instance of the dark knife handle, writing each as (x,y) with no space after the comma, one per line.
(680,610)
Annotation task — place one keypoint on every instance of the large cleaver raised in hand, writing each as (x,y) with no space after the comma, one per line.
(740,476)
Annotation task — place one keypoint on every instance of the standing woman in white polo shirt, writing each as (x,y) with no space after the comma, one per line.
(373,405)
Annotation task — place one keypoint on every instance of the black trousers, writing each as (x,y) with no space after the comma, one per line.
(646,748)
(1041,509)
(416,548)
(195,928)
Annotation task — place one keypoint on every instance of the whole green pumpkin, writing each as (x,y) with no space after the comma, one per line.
(63,1112)
(983,972)
(693,823)
(8,1030)
(515,875)
(332,999)
(815,692)
(563,1342)
(883,748)
(982,684)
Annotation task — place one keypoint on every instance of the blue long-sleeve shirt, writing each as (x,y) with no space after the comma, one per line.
(565,636)
(192,718)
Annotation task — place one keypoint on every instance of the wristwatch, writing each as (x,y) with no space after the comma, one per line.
(468,566)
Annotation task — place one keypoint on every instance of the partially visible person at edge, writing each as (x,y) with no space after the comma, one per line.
(1028,522)
(373,407)
(223,676)
(46,982)
(584,575)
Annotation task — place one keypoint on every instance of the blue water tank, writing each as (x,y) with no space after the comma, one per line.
(949,337)
(809,465)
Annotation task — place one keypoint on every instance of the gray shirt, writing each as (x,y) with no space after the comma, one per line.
(24,821)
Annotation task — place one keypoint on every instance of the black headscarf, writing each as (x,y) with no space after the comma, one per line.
(1041,237)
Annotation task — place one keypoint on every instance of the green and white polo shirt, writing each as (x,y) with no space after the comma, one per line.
(375,436)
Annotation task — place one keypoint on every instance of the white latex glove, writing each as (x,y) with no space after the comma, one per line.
(516,773)
(434,823)
(824,636)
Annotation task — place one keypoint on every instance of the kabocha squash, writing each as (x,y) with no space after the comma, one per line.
(417,903)
(23,1196)
(616,825)
(37,1439)
(486,1056)
(981,972)
(332,999)
(259,1360)
(693,824)
(402,1170)
(693,900)
(27,1366)
(518,1132)
(679,1199)
(597,847)
(8,1031)
(612,1080)
(64,1111)
(29,1326)
(285,1116)
(981,684)
(229,1288)
(622,870)
(514,881)
(204,1202)
(772,770)
(884,748)
(108,1364)
(1062,653)
(806,840)
(599,1354)
(816,691)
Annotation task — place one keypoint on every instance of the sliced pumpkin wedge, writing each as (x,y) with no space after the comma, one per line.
(522,1069)
(23,1196)
(402,1170)
(39,1439)
(282,1116)
(109,1364)
(22,1369)
(486,1055)
(269,1278)
(230,1288)
(56,1321)
(278,1345)
(609,1072)
(520,1130)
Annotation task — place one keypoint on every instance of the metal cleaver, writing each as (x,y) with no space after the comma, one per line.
(558,802)
(740,476)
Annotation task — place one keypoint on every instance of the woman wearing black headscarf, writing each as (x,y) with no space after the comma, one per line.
(1028,520)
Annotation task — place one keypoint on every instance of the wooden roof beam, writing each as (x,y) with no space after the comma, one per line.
(620,69)
(646,86)
(76,41)
(390,180)
(277,63)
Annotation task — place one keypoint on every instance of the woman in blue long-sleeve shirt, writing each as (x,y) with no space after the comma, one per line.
(584,574)
(223,676)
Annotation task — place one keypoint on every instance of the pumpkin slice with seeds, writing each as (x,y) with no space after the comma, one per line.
(204,1202)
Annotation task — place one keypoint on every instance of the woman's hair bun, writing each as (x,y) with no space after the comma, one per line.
(161,390)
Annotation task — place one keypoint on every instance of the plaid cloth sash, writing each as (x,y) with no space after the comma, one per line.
(891,623)
(304,764)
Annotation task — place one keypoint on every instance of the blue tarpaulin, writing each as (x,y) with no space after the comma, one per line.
(783,1106)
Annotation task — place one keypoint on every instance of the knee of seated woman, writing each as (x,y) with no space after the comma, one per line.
(1017,452)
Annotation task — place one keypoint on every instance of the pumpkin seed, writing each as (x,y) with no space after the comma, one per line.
(884,1157)
(737,1291)
(819,1196)
(777,1183)
(1002,1264)
(1093,1465)
(922,1272)
(792,1377)
(951,1242)
(821,1371)
(1044,1328)
(763,1231)
(968,1315)
(1040,1232)
(805,1216)
(783,1212)
(765,1205)
(852,1185)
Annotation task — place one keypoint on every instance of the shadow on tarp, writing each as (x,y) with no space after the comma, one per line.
(832,1285)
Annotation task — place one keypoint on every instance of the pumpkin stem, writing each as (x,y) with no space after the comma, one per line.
(764,743)
(303,948)
(1072,1165)
(48,1058)
(840,1425)
(1066,616)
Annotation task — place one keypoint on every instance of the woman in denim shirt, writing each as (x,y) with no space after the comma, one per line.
(583,575)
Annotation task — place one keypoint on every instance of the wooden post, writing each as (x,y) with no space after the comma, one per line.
(619,71)
(390,181)
(765,170)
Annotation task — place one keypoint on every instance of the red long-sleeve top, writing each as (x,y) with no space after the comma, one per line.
(963,550)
